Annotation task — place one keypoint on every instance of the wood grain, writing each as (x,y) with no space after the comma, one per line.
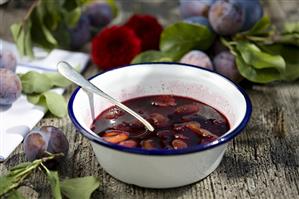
(262,162)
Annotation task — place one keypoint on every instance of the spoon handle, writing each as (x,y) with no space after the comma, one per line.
(70,73)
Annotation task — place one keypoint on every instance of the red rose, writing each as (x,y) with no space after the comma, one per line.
(114,46)
(148,29)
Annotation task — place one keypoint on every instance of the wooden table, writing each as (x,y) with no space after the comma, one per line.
(262,162)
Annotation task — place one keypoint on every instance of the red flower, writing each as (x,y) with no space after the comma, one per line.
(114,46)
(148,29)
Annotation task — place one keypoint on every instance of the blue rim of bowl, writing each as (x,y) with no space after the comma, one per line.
(193,149)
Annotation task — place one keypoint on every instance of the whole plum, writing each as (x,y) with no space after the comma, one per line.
(226,17)
(217,47)
(10,87)
(189,8)
(253,13)
(8,60)
(197,58)
(99,14)
(45,139)
(80,34)
(224,63)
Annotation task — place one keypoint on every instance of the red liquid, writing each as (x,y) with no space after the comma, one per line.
(179,122)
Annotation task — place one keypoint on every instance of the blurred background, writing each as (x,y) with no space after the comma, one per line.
(166,11)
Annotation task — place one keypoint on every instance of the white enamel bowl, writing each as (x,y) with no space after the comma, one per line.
(160,168)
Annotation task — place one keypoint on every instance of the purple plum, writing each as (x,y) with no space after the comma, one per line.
(226,17)
(189,8)
(197,58)
(80,34)
(10,87)
(224,63)
(99,14)
(45,139)
(253,13)
(8,60)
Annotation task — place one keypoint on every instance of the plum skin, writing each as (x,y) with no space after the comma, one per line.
(253,13)
(99,14)
(45,139)
(197,58)
(80,34)
(226,17)
(224,63)
(8,60)
(190,8)
(10,87)
(199,20)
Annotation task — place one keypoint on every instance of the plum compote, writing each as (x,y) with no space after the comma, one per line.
(179,122)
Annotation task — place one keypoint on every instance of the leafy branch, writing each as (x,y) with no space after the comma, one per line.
(46,25)
(75,188)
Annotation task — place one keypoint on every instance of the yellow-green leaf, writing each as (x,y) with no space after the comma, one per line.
(253,56)
(55,103)
(79,188)
(34,82)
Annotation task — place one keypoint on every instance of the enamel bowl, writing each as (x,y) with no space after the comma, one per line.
(160,168)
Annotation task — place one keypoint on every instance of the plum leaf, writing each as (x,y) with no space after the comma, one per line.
(55,103)
(57,79)
(181,37)
(14,194)
(290,53)
(252,55)
(34,82)
(79,188)
(55,185)
(152,56)
(260,27)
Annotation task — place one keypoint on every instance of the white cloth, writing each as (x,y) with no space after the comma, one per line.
(17,120)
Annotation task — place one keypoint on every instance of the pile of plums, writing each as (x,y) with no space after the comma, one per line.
(94,17)
(225,18)
(10,83)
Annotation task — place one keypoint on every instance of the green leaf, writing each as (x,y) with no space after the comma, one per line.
(253,56)
(114,7)
(72,17)
(53,13)
(291,39)
(62,36)
(14,194)
(152,56)
(34,98)
(18,33)
(79,188)
(28,42)
(39,33)
(34,82)
(260,27)
(22,165)
(265,75)
(179,38)
(55,184)
(290,54)
(291,27)
(57,79)
(55,103)
(5,183)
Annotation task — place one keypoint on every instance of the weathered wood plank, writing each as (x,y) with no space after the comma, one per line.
(263,162)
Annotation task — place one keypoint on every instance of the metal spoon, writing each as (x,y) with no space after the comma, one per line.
(70,73)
